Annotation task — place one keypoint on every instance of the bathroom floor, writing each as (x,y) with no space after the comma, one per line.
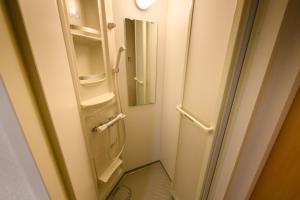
(148,183)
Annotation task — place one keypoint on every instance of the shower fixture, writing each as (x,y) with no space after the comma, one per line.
(116,67)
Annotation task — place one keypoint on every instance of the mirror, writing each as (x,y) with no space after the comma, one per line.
(141,44)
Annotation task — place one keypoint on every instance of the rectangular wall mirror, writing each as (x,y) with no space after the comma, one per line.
(141,44)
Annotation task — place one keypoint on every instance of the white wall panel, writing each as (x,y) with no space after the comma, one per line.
(25,109)
(142,122)
(176,45)
(44,31)
(210,34)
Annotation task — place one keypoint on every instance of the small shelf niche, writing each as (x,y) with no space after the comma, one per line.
(83,13)
(105,176)
(90,59)
(92,79)
(85,34)
(98,100)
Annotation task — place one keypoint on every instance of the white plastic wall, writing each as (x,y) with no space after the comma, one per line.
(25,109)
(142,122)
(176,44)
(44,31)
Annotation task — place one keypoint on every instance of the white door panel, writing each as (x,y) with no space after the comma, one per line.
(203,91)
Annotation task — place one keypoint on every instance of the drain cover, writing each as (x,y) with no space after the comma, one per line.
(122,192)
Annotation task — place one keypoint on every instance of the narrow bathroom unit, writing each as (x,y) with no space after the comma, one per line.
(148,99)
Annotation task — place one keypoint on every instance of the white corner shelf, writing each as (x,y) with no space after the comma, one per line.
(90,80)
(85,34)
(84,29)
(98,100)
(105,176)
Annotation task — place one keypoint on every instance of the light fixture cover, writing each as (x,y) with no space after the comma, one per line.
(144,4)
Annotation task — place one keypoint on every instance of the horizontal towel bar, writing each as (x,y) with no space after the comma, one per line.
(103,127)
(201,125)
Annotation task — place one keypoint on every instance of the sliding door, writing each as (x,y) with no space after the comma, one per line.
(204,86)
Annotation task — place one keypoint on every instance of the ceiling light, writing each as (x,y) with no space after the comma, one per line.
(144,4)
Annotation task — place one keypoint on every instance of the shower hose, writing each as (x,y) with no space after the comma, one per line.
(117,90)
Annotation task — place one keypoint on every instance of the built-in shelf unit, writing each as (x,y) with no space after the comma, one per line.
(89,51)
(91,79)
(89,58)
(86,35)
(98,100)
(110,170)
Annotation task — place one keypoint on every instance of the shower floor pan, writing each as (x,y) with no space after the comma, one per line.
(147,183)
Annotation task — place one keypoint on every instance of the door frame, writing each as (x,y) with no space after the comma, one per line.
(242,27)
(254,90)
(22,105)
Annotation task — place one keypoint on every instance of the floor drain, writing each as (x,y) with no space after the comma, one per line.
(122,192)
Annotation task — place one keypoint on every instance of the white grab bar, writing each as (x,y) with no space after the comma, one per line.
(116,68)
(103,127)
(194,120)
